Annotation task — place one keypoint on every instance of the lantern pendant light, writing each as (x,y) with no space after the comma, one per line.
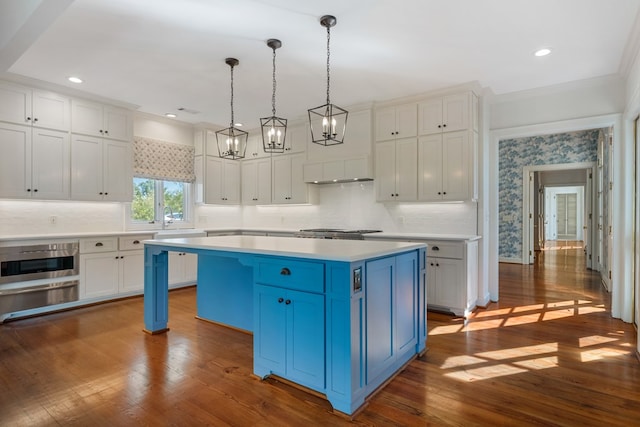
(328,122)
(274,129)
(232,142)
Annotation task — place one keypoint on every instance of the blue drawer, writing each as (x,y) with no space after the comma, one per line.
(286,273)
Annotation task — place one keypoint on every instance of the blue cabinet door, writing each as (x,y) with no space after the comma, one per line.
(305,339)
(406,306)
(269,334)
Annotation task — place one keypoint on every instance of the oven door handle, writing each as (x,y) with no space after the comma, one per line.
(39,288)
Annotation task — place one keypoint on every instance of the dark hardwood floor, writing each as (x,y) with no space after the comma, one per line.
(548,353)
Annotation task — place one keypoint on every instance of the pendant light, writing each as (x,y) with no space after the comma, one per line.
(274,129)
(328,122)
(232,142)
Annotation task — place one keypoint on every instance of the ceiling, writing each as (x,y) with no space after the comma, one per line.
(160,55)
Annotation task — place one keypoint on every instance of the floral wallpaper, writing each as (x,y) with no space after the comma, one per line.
(514,155)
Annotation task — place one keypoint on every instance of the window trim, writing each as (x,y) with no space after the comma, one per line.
(188,212)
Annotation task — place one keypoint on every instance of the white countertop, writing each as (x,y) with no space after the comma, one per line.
(332,250)
(422,236)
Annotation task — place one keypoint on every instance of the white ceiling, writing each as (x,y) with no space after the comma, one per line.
(165,54)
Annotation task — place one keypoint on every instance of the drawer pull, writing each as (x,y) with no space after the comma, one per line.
(288,302)
(285,272)
(435,248)
(136,242)
(280,299)
(99,244)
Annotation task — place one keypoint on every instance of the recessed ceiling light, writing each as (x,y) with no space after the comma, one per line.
(74,79)
(170,115)
(238,124)
(542,52)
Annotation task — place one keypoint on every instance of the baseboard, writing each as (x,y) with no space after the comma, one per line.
(510,260)
(483,301)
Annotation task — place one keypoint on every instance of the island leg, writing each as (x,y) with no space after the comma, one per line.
(156,290)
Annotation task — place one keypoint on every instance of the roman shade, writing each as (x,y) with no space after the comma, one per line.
(163,160)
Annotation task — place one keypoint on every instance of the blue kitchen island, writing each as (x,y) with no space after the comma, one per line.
(337,316)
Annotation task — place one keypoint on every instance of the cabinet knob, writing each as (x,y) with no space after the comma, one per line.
(99,244)
(35,190)
(35,119)
(437,265)
(444,192)
(28,189)
(285,272)
(28,119)
(280,299)
(288,302)
(397,194)
(435,248)
(439,126)
(106,194)
(136,242)
(444,125)
(106,132)
(101,131)
(431,264)
(439,193)
(100,193)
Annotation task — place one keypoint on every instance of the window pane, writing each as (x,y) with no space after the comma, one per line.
(174,200)
(143,206)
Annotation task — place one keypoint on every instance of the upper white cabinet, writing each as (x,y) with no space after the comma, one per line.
(34,163)
(255,148)
(396,170)
(22,105)
(101,169)
(256,182)
(396,122)
(296,138)
(288,183)
(447,114)
(445,170)
(90,118)
(357,140)
(217,180)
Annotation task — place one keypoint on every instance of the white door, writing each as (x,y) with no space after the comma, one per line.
(118,123)
(51,175)
(385,181)
(132,271)
(264,181)
(231,178)
(86,168)
(87,118)
(455,114)
(249,171)
(385,124)
(15,103)
(214,176)
(455,166)
(281,179)
(430,167)
(406,169)
(15,161)
(118,171)
(51,111)
(298,186)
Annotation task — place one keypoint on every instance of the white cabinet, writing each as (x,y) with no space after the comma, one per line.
(357,141)
(101,169)
(90,118)
(256,182)
(255,148)
(297,137)
(288,183)
(183,268)
(396,122)
(340,170)
(111,266)
(445,167)
(22,105)
(217,180)
(447,114)
(34,163)
(452,276)
(396,170)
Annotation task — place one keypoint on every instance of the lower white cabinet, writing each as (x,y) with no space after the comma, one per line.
(183,268)
(452,276)
(110,266)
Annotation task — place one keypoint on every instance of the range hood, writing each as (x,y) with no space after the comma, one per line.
(340,170)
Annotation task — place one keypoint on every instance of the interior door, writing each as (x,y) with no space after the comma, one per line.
(541,218)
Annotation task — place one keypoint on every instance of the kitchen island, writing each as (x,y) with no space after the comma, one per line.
(337,316)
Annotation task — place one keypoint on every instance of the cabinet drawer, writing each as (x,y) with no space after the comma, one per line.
(98,244)
(285,273)
(444,249)
(127,243)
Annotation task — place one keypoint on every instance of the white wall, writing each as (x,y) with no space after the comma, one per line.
(162,129)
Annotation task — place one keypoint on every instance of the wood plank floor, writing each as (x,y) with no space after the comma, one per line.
(548,353)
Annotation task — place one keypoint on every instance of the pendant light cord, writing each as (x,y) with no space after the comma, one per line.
(328,57)
(273,96)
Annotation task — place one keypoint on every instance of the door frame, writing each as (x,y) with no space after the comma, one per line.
(528,219)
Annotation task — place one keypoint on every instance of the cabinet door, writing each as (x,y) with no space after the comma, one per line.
(51,174)
(430,168)
(430,118)
(249,171)
(15,103)
(190,267)
(299,193)
(15,161)
(385,124)
(449,292)
(281,179)
(380,351)
(296,138)
(269,335)
(86,168)
(305,338)
(385,171)
(406,169)
(263,184)
(455,112)
(432,284)
(231,176)
(118,171)
(214,180)
(87,118)
(456,166)
(51,111)
(118,123)
(132,271)
(405,307)
(176,268)
(99,275)
(406,121)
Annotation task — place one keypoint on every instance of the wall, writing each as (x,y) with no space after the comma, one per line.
(514,155)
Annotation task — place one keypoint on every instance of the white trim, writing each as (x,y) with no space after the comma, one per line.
(511,260)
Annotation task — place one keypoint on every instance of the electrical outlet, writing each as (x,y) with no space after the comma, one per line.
(53,219)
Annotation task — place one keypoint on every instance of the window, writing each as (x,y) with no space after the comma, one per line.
(156,201)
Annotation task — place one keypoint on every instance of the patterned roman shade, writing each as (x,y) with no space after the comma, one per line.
(162,160)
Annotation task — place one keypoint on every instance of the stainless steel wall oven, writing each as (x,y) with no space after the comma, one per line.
(29,276)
